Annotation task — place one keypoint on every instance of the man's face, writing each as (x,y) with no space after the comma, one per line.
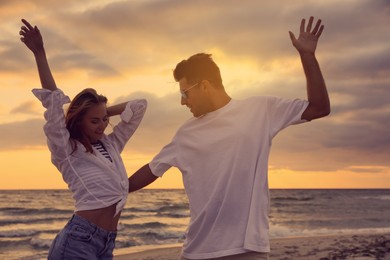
(193,97)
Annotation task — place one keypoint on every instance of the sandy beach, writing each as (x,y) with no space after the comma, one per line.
(357,246)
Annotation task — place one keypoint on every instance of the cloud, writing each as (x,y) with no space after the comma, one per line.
(365,169)
(22,135)
(28,107)
(63,55)
(140,39)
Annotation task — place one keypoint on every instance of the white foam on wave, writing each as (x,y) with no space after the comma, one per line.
(277,231)
(18,233)
(39,242)
(380,197)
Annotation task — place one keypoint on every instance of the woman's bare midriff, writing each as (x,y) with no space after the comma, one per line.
(103,218)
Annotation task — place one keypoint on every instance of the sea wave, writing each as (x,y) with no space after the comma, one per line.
(41,243)
(12,242)
(143,225)
(308,198)
(31,220)
(33,211)
(173,214)
(277,231)
(380,197)
(18,233)
(160,217)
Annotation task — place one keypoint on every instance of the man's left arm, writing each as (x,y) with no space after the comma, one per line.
(319,104)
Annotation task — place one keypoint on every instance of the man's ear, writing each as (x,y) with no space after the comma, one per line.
(206,85)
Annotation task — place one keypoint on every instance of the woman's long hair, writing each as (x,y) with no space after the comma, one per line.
(76,112)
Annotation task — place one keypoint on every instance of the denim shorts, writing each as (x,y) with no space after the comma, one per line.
(81,239)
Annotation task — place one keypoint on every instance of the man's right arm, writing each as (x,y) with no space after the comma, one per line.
(141,178)
(317,93)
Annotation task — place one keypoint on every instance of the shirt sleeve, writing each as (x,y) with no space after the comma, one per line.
(164,160)
(285,112)
(131,117)
(55,128)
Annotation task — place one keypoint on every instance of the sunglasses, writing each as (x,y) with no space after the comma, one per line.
(183,92)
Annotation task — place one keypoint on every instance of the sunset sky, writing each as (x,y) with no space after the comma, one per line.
(127,49)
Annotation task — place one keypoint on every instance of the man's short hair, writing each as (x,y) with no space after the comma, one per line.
(198,67)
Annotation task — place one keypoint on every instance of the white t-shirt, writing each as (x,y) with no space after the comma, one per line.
(223,158)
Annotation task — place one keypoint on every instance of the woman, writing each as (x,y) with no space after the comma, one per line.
(88,160)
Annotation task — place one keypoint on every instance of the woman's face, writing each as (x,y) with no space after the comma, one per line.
(95,122)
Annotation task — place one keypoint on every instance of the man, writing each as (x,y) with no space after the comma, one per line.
(222,153)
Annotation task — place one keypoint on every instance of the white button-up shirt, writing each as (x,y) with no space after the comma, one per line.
(94,181)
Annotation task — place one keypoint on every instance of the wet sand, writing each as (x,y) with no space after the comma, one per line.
(354,246)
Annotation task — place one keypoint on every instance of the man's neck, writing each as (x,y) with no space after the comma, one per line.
(221,101)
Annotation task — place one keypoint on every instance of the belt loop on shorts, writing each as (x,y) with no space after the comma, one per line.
(93,228)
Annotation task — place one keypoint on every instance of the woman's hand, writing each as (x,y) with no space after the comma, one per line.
(31,36)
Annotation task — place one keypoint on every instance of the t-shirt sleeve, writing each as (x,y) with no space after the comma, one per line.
(285,112)
(164,160)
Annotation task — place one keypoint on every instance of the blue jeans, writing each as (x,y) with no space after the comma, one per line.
(81,239)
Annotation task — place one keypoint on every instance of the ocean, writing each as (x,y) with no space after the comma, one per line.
(30,219)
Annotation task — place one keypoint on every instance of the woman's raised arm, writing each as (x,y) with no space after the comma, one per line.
(31,36)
